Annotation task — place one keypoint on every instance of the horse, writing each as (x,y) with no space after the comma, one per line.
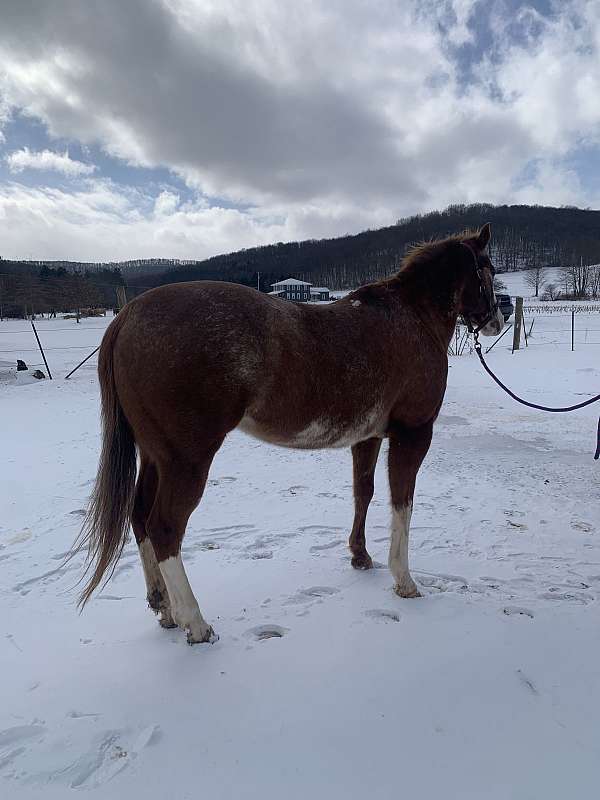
(184,364)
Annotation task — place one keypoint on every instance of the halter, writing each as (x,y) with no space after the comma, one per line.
(493,309)
(492,304)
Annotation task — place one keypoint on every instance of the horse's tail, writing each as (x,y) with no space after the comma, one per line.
(106,525)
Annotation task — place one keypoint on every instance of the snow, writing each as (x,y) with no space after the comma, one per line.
(323,684)
(291,282)
(516,284)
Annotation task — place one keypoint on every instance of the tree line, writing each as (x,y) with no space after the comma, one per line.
(532,238)
(29,291)
(523,238)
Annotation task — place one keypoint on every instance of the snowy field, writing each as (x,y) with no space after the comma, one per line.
(324,684)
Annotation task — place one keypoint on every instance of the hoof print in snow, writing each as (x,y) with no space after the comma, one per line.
(444,583)
(584,527)
(517,611)
(557,593)
(219,481)
(527,682)
(294,490)
(382,615)
(261,555)
(261,632)
(318,548)
(311,594)
(319,529)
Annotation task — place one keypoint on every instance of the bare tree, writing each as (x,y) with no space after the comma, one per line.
(536,279)
(577,278)
(552,292)
(82,294)
(595,281)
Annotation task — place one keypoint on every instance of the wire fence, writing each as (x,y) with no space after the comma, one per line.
(569,331)
(53,341)
(563,310)
(570,327)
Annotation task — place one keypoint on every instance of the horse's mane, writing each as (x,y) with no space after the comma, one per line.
(414,265)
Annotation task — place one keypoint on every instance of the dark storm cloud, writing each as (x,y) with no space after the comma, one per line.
(200,108)
(285,120)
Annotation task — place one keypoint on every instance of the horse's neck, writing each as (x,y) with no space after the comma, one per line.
(439,325)
(434,304)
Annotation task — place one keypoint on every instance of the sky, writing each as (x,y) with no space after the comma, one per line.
(188,128)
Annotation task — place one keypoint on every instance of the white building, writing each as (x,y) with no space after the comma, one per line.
(300,291)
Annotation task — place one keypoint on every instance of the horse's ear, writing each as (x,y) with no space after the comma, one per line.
(484,236)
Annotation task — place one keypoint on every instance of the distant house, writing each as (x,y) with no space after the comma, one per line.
(319,293)
(299,291)
(292,289)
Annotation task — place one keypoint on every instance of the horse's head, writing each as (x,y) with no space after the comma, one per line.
(477,301)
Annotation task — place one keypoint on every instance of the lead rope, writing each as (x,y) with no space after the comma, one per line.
(557,409)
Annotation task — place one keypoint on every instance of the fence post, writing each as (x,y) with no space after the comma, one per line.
(81,363)
(41,348)
(121,296)
(518,323)
(572,330)
(498,339)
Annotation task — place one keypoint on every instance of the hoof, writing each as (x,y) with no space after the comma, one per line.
(209,637)
(162,609)
(407,591)
(155,600)
(362,561)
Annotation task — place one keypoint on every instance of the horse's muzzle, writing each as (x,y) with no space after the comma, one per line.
(495,325)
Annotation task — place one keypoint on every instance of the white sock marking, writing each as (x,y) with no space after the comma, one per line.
(150,566)
(184,606)
(398,558)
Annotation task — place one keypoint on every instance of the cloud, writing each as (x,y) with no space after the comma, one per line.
(256,101)
(20,160)
(102,221)
(321,118)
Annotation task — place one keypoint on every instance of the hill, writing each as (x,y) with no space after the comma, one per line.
(524,237)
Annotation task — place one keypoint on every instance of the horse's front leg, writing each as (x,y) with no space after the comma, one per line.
(364,459)
(408,447)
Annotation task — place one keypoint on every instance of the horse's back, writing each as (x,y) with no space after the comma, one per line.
(214,355)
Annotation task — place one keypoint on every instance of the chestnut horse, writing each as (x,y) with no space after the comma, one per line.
(182,365)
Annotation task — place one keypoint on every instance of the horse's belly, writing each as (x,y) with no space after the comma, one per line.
(319,433)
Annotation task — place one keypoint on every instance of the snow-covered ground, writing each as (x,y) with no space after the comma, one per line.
(516,283)
(323,684)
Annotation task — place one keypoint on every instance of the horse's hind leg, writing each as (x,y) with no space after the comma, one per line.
(408,447)
(145,494)
(364,459)
(180,488)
